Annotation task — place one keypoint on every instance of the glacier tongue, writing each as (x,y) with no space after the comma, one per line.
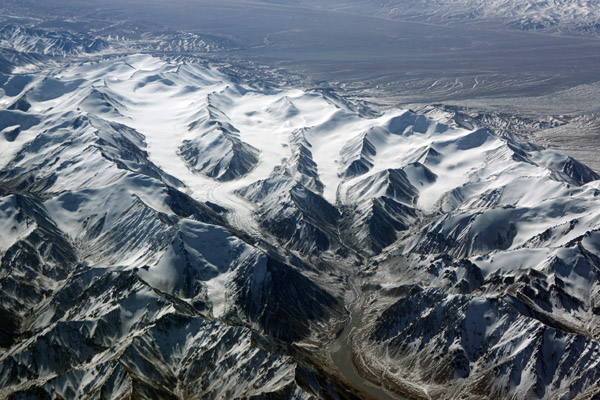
(169,233)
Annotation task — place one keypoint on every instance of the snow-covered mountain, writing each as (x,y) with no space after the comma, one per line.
(34,47)
(48,42)
(168,232)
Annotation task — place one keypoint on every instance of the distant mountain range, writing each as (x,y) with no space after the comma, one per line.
(567,16)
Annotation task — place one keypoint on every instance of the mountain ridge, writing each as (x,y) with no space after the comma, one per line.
(467,261)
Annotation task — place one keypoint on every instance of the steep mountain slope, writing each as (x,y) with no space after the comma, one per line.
(109,269)
(170,233)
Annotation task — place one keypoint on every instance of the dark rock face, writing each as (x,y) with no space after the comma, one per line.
(282,300)
(357,156)
(217,151)
(238,158)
